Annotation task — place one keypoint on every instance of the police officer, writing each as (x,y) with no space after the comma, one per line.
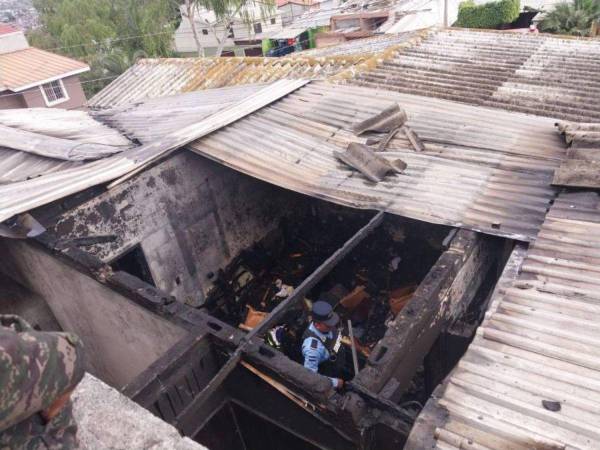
(38,372)
(321,342)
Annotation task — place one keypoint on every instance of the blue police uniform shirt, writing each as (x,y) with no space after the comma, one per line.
(315,356)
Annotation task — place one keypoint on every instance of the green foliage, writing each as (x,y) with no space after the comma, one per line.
(107,34)
(488,15)
(572,17)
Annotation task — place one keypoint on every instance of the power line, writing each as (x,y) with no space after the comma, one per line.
(110,40)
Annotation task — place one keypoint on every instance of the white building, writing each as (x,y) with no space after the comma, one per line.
(292,9)
(242,39)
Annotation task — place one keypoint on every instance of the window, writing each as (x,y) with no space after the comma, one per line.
(273,20)
(134,263)
(204,31)
(257,28)
(54,92)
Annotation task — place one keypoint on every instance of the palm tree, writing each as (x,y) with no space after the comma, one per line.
(572,18)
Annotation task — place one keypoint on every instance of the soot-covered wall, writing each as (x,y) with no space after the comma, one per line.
(190,216)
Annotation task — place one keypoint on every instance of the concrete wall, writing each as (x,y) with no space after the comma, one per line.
(13,42)
(190,216)
(34,99)
(11,100)
(107,419)
(291,11)
(121,338)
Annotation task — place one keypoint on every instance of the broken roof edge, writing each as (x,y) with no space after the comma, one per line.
(20,197)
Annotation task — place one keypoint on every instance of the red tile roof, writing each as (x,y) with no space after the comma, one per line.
(32,66)
(7,28)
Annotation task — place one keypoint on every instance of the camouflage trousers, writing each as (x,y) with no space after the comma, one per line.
(34,433)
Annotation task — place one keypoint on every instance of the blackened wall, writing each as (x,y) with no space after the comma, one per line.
(190,216)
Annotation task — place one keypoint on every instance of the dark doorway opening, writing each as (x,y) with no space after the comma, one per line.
(235,428)
(134,263)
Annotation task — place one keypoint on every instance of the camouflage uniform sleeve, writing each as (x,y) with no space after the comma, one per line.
(35,369)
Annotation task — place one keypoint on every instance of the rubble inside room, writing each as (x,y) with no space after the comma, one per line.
(369,287)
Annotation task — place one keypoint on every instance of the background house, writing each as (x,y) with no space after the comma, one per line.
(242,39)
(30,77)
(292,9)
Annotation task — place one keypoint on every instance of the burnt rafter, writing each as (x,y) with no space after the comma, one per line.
(297,295)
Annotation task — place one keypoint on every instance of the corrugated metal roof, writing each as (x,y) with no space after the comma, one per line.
(539,342)
(152,78)
(63,137)
(22,196)
(61,123)
(538,74)
(33,66)
(152,119)
(483,169)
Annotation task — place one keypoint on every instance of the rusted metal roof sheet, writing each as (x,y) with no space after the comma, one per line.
(152,78)
(531,377)
(537,74)
(30,67)
(22,196)
(483,169)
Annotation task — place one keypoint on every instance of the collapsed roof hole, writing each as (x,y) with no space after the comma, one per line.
(370,286)
(134,263)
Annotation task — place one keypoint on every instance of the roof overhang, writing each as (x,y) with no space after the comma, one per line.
(49,80)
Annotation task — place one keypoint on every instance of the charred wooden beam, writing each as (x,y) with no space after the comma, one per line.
(297,295)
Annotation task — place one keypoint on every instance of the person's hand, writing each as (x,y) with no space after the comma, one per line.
(56,407)
(340,384)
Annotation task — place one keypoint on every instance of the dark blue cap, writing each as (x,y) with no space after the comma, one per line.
(323,312)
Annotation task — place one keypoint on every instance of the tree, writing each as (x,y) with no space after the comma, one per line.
(189,12)
(226,12)
(487,15)
(101,32)
(574,18)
